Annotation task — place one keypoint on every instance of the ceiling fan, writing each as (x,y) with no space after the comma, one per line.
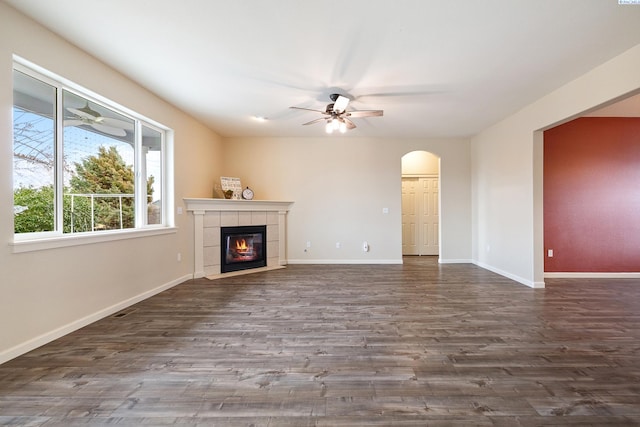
(87,116)
(336,115)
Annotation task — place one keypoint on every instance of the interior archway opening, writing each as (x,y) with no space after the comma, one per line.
(420,204)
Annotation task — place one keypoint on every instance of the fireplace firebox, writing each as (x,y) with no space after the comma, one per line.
(243,248)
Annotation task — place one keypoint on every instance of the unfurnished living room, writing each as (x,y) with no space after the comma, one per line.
(288,213)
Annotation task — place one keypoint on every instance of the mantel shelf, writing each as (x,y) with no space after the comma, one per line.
(203,204)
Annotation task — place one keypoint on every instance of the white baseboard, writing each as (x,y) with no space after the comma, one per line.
(454,261)
(591,275)
(45,338)
(529,283)
(344,261)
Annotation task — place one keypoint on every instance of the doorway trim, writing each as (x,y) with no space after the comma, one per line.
(430,167)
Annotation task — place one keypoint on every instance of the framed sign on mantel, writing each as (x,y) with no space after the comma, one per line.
(233,185)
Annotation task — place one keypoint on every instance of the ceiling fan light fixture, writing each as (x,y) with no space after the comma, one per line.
(336,124)
(329,126)
(343,127)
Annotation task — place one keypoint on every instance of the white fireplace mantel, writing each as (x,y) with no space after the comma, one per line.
(210,214)
(236,205)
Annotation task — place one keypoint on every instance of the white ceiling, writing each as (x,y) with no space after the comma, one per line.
(436,67)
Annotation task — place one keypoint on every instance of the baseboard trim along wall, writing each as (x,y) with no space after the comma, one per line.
(529,283)
(454,261)
(43,339)
(344,261)
(591,275)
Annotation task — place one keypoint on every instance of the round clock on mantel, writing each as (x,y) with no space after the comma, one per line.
(247,194)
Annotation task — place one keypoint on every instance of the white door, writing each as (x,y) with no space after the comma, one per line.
(430,220)
(420,218)
(409,217)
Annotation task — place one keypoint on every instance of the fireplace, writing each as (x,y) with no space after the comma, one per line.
(243,247)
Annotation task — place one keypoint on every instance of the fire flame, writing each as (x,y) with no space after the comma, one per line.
(241,245)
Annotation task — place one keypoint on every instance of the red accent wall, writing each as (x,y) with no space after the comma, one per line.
(592,195)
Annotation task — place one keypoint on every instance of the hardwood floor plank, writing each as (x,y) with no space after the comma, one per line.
(409,345)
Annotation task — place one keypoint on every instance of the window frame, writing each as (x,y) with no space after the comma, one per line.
(25,242)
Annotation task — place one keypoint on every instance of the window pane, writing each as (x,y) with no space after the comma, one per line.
(99,180)
(152,162)
(81,163)
(33,154)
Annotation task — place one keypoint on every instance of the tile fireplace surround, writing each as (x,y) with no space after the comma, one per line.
(211,214)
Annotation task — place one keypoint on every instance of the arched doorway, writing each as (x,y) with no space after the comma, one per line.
(420,203)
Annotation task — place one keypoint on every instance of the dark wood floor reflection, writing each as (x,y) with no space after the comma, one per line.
(379,345)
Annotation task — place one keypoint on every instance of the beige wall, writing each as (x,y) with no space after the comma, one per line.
(340,186)
(507,169)
(47,293)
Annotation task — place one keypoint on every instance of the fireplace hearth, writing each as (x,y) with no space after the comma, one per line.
(243,248)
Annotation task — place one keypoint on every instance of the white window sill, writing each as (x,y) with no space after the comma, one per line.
(40,244)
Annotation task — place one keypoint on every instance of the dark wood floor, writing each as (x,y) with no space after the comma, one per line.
(417,344)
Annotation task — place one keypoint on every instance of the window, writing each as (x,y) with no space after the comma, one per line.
(81,163)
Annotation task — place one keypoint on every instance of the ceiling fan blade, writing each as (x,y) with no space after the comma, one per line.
(116,123)
(309,109)
(109,130)
(340,104)
(396,94)
(349,123)
(365,113)
(402,91)
(73,122)
(314,121)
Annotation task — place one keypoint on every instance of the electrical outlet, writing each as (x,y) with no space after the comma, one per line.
(179,257)
(550,253)
(308,243)
(338,245)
